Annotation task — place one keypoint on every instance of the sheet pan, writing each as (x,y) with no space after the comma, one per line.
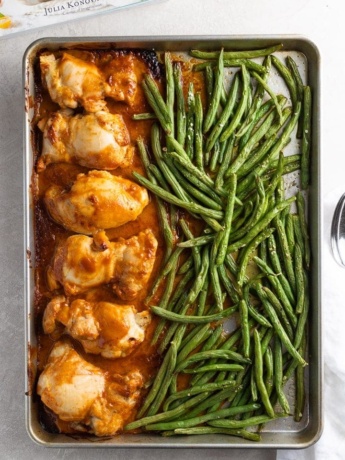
(281,434)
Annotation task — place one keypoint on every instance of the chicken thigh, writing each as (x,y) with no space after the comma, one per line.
(104,328)
(96,140)
(72,82)
(121,79)
(96,200)
(82,262)
(79,392)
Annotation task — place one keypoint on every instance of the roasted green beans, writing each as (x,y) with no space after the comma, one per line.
(241,254)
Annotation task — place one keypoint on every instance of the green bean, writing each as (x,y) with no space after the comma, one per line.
(251,65)
(170,88)
(187,265)
(306,137)
(253,140)
(300,288)
(208,402)
(208,387)
(236,54)
(214,158)
(203,296)
(168,171)
(180,288)
(170,198)
(186,163)
(287,77)
(190,122)
(209,80)
(270,92)
(268,362)
(291,64)
(252,421)
(156,385)
(198,241)
(171,331)
(272,248)
(245,328)
(259,226)
(303,224)
(278,327)
(221,354)
(214,367)
(198,136)
(231,264)
(164,302)
(252,311)
(214,103)
(193,332)
(225,234)
(228,284)
(248,250)
(206,189)
(171,316)
(195,249)
(256,214)
(214,276)
(277,305)
(203,418)
(275,282)
(224,166)
(194,342)
(300,394)
(289,230)
(181,121)
(157,103)
(155,405)
(276,181)
(258,369)
(302,320)
(278,376)
(162,214)
(166,415)
(226,114)
(211,430)
(169,265)
(144,116)
(240,109)
(287,258)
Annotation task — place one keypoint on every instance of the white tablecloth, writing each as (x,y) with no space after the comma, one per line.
(320,20)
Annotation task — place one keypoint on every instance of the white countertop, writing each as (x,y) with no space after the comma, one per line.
(322,21)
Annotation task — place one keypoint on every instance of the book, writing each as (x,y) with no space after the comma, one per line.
(20,15)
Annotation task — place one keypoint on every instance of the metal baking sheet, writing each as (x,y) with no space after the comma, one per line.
(281,434)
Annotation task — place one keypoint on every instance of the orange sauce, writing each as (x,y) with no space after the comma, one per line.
(48,234)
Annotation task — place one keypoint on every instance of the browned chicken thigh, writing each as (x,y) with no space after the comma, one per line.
(82,262)
(79,392)
(104,328)
(121,79)
(72,82)
(96,140)
(97,200)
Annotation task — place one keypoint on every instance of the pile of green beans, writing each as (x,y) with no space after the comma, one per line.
(236,247)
